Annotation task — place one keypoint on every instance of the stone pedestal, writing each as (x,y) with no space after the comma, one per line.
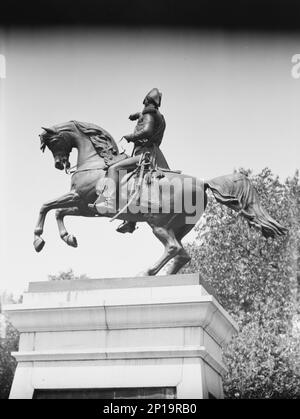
(120,337)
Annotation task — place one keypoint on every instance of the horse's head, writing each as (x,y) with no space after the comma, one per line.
(90,140)
(59,142)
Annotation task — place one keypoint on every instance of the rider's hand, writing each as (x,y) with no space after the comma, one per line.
(134,116)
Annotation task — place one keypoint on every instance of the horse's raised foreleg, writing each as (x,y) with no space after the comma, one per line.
(68,200)
(172,248)
(65,236)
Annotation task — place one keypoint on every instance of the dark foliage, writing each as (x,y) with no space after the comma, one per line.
(256,281)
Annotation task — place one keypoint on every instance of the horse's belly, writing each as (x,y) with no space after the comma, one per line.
(169,195)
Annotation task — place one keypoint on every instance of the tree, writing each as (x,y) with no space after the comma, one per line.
(9,336)
(256,281)
(66,276)
(9,341)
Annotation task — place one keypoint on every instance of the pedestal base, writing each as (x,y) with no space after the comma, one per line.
(158,337)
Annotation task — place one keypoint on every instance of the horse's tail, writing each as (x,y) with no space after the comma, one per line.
(237,192)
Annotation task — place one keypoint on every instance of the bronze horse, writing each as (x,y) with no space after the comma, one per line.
(97,149)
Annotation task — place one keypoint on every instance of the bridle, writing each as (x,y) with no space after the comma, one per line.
(68,170)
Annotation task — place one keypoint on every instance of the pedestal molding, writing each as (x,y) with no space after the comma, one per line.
(121,353)
(126,316)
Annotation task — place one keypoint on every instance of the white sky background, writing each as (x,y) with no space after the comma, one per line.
(229,102)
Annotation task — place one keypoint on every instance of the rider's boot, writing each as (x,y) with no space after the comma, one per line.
(126,227)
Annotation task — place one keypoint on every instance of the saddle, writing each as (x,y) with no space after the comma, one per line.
(138,182)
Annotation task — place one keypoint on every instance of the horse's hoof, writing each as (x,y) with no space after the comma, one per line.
(145,273)
(38,243)
(71,240)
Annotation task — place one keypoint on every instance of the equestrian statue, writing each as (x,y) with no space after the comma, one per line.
(140,187)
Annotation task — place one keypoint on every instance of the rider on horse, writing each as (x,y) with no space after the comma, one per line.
(146,137)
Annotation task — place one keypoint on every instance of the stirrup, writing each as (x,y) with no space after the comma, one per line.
(92,207)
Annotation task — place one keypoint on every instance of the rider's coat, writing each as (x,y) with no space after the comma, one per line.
(148,134)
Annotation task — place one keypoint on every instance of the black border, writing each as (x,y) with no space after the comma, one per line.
(269,15)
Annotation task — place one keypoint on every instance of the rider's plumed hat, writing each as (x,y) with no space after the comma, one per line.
(154,96)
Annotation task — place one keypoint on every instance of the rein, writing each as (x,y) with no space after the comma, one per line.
(82,170)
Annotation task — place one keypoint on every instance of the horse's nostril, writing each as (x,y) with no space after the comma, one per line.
(59,165)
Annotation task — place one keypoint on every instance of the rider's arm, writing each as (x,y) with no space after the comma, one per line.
(146,132)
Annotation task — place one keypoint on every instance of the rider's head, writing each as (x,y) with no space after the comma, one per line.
(153,97)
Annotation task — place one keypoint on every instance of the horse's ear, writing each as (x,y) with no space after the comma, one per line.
(43,143)
(49,130)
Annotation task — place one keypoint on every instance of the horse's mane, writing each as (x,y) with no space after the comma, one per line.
(103,142)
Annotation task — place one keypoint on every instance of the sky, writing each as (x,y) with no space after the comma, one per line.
(229,101)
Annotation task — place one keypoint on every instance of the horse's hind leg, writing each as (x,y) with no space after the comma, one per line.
(178,262)
(172,248)
(65,236)
(182,258)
